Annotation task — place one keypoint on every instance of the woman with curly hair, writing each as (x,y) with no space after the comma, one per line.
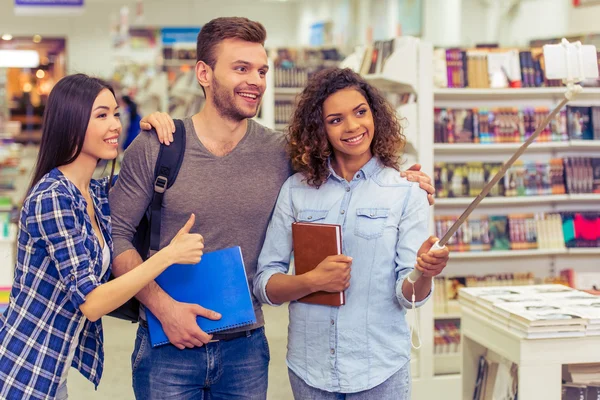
(345,143)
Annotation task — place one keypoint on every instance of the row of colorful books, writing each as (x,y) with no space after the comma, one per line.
(535,312)
(283,111)
(294,66)
(446,337)
(522,231)
(572,175)
(487,67)
(515,125)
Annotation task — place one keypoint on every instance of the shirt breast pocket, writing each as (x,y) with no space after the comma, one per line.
(312,216)
(370,222)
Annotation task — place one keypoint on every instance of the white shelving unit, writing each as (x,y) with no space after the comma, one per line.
(540,361)
(542,262)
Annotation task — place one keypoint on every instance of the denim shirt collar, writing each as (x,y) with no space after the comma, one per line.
(372,167)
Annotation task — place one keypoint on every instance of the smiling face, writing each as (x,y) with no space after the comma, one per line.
(238,79)
(104,128)
(349,125)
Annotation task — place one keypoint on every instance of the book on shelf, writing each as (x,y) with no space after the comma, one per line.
(493,67)
(514,124)
(294,66)
(524,231)
(572,175)
(375,56)
(446,338)
(495,375)
(581,280)
(581,229)
(283,111)
(585,374)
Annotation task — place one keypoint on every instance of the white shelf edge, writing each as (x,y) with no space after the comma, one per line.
(447,316)
(524,253)
(519,200)
(475,93)
(584,250)
(445,148)
(506,253)
(447,355)
(385,83)
(287,90)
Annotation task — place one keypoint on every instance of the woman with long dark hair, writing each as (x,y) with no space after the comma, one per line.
(60,288)
(345,143)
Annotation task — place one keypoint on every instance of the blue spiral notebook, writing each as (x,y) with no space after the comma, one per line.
(218,282)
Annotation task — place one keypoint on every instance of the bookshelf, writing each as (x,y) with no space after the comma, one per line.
(543,262)
(287,91)
(290,68)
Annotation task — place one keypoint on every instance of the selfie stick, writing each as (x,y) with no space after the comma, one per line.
(563,61)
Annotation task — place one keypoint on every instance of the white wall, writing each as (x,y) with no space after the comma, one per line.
(584,20)
(309,12)
(89,47)
(532,19)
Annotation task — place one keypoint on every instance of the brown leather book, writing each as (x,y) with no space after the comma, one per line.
(312,244)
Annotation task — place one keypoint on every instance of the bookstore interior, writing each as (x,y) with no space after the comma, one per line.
(516,312)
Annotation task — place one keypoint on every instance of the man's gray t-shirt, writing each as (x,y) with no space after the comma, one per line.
(232,196)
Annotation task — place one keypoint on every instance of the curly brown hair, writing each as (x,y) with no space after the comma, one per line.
(308,146)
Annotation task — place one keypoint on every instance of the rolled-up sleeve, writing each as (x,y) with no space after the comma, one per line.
(131,195)
(413,231)
(54,222)
(277,249)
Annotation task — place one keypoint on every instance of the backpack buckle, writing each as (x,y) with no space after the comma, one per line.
(160,184)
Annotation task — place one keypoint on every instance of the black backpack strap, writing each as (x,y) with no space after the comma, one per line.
(165,173)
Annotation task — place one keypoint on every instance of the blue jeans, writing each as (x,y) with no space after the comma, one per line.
(396,387)
(235,369)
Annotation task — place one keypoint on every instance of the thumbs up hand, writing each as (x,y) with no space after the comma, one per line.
(187,248)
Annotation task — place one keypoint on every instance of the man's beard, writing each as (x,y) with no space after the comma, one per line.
(226,105)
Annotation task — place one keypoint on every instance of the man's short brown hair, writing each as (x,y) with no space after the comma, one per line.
(223,28)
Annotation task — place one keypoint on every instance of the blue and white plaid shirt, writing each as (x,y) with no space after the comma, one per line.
(59,263)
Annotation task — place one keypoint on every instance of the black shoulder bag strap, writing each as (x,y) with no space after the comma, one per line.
(165,172)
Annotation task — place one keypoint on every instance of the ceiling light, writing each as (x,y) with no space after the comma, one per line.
(37,38)
(7,36)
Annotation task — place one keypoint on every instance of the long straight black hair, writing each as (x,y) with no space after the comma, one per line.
(66,119)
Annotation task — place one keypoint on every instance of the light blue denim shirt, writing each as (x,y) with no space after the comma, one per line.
(384,221)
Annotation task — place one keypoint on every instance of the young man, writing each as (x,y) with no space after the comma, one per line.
(230,178)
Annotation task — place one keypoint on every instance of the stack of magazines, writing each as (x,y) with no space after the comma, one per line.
(535,312)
